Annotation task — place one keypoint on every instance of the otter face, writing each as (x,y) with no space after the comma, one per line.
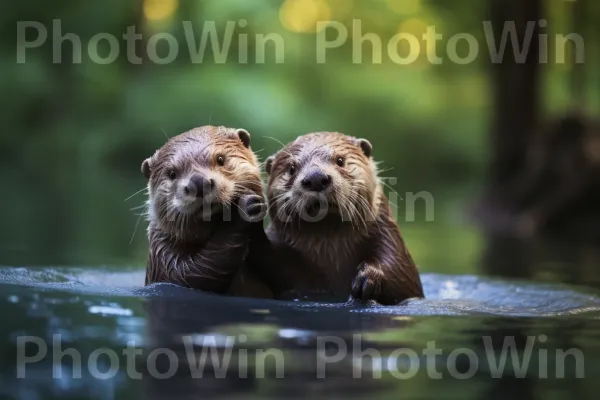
(323,175)
(197,174)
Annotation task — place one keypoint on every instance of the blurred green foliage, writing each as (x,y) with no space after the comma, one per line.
(75,134)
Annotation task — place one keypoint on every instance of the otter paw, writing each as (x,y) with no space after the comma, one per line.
(253,207)
(368,283)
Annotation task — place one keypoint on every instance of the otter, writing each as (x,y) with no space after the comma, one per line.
(332,229)
(205,194)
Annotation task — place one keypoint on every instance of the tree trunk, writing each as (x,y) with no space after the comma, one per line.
(515,91)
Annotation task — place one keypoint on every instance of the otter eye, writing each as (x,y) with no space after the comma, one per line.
(221,160)
(172,174)
(292,169)
(340,161)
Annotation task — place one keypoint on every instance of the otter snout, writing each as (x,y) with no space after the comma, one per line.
(199,186)
(316,181)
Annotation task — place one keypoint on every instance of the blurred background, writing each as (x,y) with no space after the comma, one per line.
(500,147)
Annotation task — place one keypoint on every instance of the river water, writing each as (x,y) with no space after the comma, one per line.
(72,333)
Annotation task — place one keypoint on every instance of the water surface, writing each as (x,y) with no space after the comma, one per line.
(93,308)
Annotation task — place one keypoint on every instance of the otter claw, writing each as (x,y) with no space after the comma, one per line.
(368,284)
(253,206)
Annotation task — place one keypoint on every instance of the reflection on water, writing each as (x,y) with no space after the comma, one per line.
(281,349)
(549,260)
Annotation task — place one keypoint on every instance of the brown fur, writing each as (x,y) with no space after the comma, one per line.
(186,247)
(356,248)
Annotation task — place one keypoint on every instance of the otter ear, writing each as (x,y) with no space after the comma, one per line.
(146,167)
(366,147)
(269,164)
(244,136)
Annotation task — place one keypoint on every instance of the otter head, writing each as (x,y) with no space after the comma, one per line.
(195,176)
(323,176)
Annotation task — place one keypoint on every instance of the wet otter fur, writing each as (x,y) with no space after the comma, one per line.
(332,229)
(204,186)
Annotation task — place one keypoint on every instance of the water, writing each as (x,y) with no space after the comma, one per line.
(95,308)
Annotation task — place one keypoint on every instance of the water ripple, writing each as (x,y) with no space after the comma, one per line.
(445,294)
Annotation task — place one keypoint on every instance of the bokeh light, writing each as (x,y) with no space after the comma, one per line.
(303,15)
(418,28)
(341,8)
(158,10)
(414,26)
(404,7)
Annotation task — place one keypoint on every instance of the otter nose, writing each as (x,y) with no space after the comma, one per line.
(316,181)
(199,186)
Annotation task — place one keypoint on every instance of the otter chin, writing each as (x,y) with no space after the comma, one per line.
(331,227)
(204,194)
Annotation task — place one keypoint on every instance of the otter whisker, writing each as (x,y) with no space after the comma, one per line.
(136,193)
(358,216)
(349,213)
(276,200)
(365,206)
(138,207)
(137,223)
(278,197)
(386,185)
(344,208)
(280,211)
(275,140)
(275,203)
(383,171)
(291,206)
(355,197)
